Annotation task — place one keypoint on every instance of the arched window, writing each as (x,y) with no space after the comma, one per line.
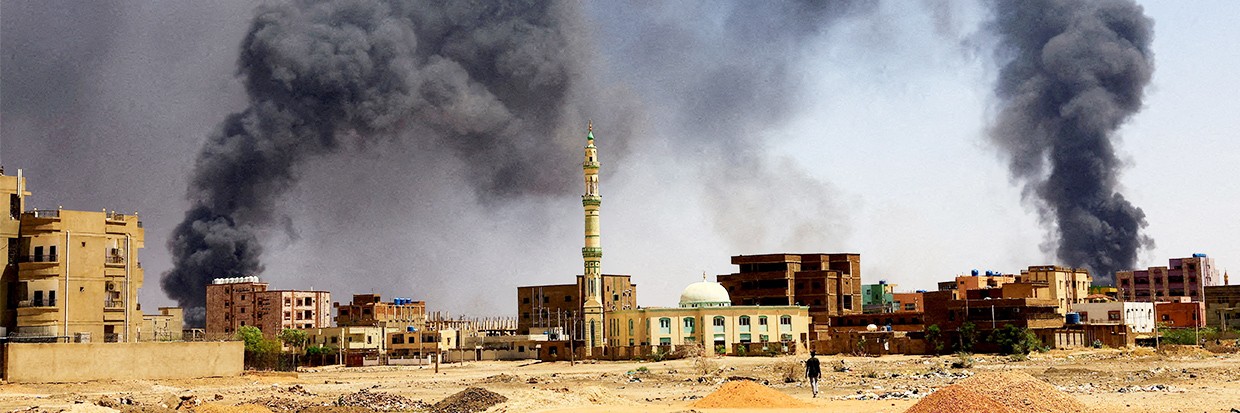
(665,325)
(785,323)
(689,325)
(630,327)
(762,323)
(719,324)
(743,322)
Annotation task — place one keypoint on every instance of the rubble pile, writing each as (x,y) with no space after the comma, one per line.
(378,401)
(300,391)
(278,404)
(1151,388)
(891,395)
(999,392)
(470,400)
(748,394)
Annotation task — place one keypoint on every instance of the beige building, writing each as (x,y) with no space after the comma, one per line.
(233,303)
(165,326)
(12,199)
(370,310)
(1067,285)
(706,316)
(78,276)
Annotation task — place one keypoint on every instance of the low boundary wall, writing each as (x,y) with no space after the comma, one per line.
(72,362)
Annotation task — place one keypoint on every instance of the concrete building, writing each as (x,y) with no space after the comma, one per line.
(78,276)
(1025,306)
(370,310)
(877,298)
(707,317)
(236,302)
(1182,277)
(1223,306)
(914,301)
(830,284)
(559,307)
(13,200)
(977,281)
(1139,317)
(165,326)
(1067,285)
(1182,313)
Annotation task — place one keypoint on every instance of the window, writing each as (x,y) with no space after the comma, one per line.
(688,325)
(910,307)
(746,338)
(785,323)
(1113,315)
(744,323)
(718,322)
(398,339)
(546,299)
(665,341)
(762,338)
(367,339)
(630,328)
(525,300)
(665,325)
(568,298)
(762,323)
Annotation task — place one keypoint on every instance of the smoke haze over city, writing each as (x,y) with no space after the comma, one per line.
(412,150)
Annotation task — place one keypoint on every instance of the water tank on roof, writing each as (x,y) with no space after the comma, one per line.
(411,329)
(974,272)
(1199,255)
(1073,318)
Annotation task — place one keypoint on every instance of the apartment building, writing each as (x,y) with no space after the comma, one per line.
(236,302)
(168,325)
(1182,277)
(1067,285)
(1223,306)
(13,200)
(830,284)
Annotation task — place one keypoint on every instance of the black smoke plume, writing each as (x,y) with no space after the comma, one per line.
(491,83)
(1075,72)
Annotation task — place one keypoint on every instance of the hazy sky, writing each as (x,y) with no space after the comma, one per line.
(882,151)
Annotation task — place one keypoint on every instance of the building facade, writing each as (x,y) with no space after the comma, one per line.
(830,284)
(1181,314)
(1182,277)
(237,302)
(553,308)
(707,317)
(1139,317)
(13,201)
(78,276)
(914,301)
(877,298)
(1223,306)
(1067,285)
(371,310)
(167,325)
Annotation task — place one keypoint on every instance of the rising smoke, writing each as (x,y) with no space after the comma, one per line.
(1075,72)
(493,85)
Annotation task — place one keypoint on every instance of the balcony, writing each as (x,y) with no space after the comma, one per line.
(37,303)
(111,260)
(42,214)
(113,305)
(46,258)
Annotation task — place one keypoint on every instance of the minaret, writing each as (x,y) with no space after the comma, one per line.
(592,253)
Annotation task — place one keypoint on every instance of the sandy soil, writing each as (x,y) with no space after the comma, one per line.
(1181,380)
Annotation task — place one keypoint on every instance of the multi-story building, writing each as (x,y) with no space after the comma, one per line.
(877,298)
(1181,313)
(977,281)
(1067,285)
(1223,306)
(1020,304)
(830,284)
(541,308)
(236,302)
(78,276)
(370,310)
(12,200)
(707,317)
(1183,277)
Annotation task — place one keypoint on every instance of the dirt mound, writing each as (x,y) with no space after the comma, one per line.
(378,401)
(470,400)
(747,394)
(1000,393)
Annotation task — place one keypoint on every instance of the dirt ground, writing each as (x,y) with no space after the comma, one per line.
(1180,380)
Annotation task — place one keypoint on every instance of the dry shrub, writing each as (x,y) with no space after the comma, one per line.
(705,366)
(790,370)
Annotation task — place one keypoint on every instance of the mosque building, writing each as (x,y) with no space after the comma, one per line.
(707,317)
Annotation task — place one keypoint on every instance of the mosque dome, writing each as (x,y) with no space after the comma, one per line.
(705,294)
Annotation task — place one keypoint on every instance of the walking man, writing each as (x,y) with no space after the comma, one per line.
(812,372)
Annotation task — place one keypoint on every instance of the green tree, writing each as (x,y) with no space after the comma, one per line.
(934,337)
(293,338)
(968,336)
(1014,340)
(254,341)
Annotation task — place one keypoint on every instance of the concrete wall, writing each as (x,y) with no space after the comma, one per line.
(71,362)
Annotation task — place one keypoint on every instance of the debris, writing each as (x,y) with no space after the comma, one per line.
(383,402)
(470,400)
(299,390)
(278,404)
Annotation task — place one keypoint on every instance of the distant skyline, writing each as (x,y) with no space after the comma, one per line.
(878,148)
